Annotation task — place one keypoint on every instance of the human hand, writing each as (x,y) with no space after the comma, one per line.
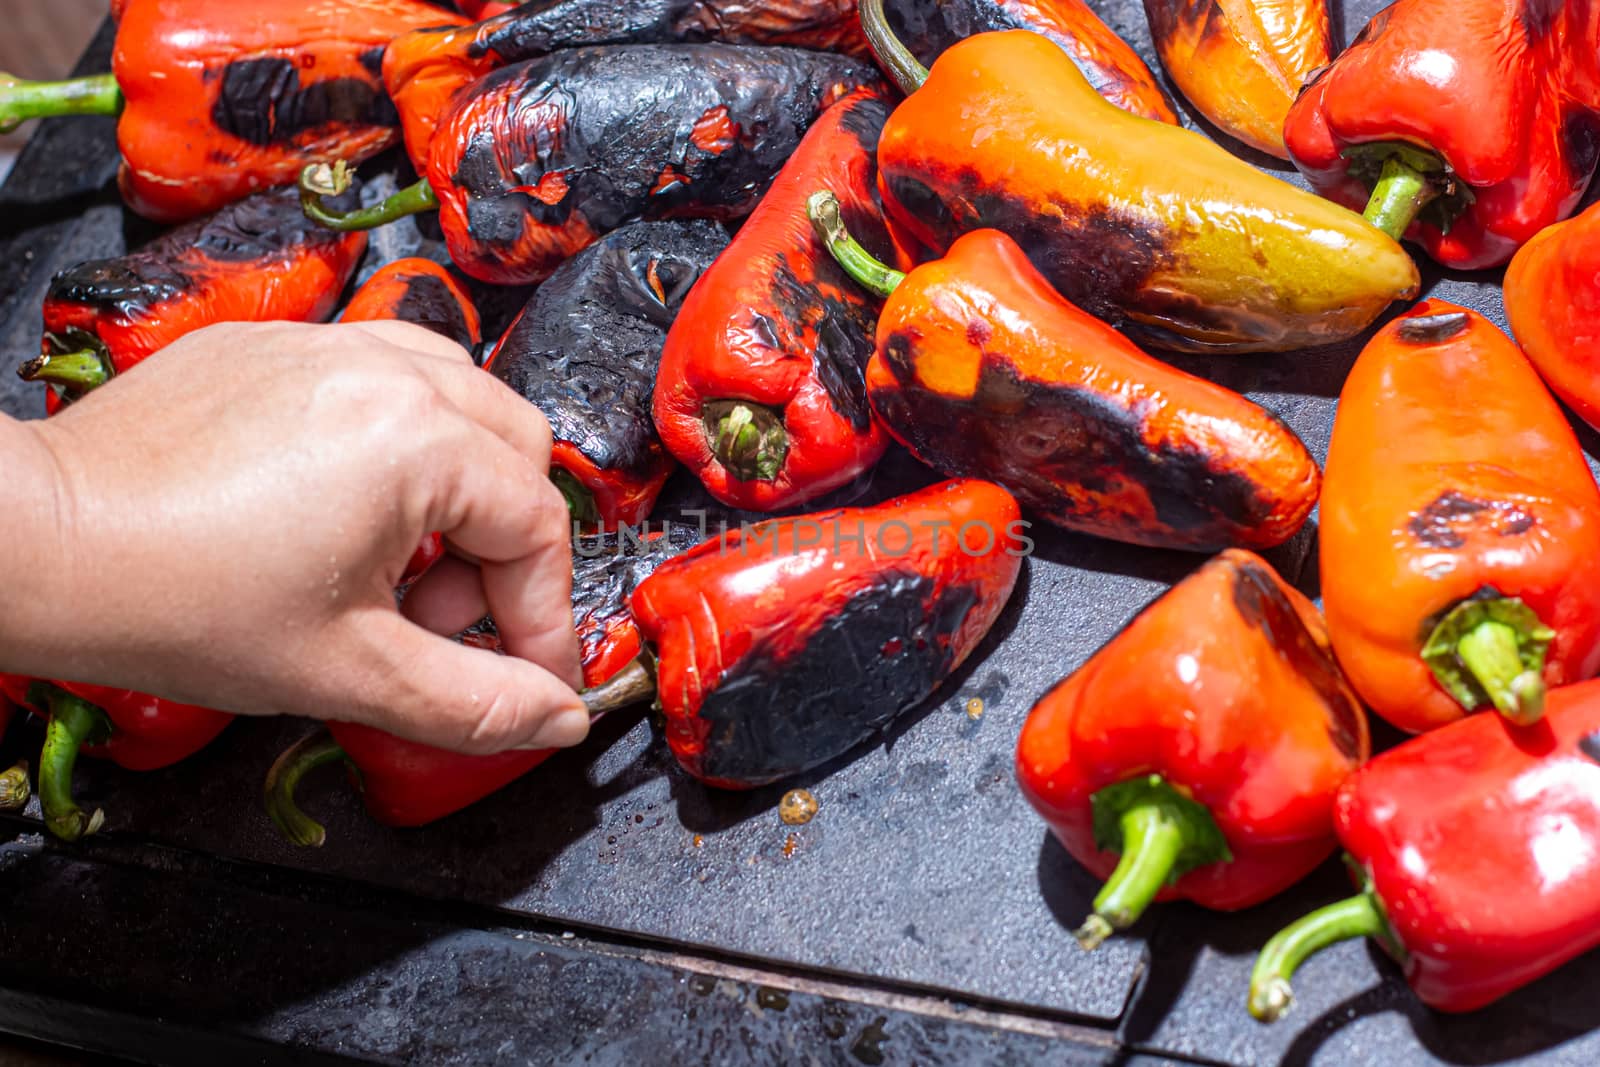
(225,523)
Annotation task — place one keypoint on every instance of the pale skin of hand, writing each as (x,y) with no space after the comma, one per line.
(224,525)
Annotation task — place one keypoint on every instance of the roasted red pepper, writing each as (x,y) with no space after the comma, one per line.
(220,100)
(425,69)
(1460,527)
(1196,756)
(255,260)
(1474,847)
(783,645)
(928,27)
(407,784)
(1552,295)
(760,390)
(1466,125)
(419,291)
(524,179)
(983,370)
(584,351)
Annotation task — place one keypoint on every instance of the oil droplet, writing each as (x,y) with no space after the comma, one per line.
(638,818)
(868,1045)
(771,999)
(797,807)
(975,708)
(702,985)
(789,847)
(698,841)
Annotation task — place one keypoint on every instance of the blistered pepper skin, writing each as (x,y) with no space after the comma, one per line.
(1552,294)
(1210,256)
(1227,688)
(1451,471)
(525,178)
(419,291)
(983,370)
(1242,62)
(784,645)
(1113,68)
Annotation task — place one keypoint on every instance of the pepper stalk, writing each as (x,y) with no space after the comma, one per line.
(906,70)
(1490,650)
(74,722)
(321,180)
(21,100)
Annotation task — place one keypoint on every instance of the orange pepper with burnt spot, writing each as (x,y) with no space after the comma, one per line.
(418,291)
(220,100)
(1137,222)
(983,370)
(538,160)
(1460,527)
(1552,295)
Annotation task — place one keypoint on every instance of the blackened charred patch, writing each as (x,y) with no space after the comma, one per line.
(1580,136)
(921,202)
(843,326)
(864,121)
(1450,516)
(885,649)
(1538,17)
(1261,603)
(262,101)
(429,302)
(586,347)
(372,60)
(1589,745)
(606,568)
(1431,329)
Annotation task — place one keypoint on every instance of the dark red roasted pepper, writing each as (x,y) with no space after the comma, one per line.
(1196,756)
(1466,125)
(419,291)
(760,391)
(424,70)
(524,178)
(220,100)
(1474,848)
(584,351)
(783,645)
(256,260)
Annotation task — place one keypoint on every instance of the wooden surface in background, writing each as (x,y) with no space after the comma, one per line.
(42,39)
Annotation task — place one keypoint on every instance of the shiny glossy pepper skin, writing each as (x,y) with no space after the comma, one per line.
(585,349)
(1226,691)
(983,370)
(783,645)
(1210,256)
(1504,92)
(424,70)
(1452,475)
(776,337)
(1552,294)
(1116,72)
(1242,62)
(255,260)
(525,180)
(1477,846)
(419,291)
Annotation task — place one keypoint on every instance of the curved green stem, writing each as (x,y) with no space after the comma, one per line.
(307,754)
(906,70)
(73,724)
(1400,194)
(82,370)
(633,684)
(1491,651)
(869,272)
(580,501)
(747,438)
(21,100)
(321,180)
(1270,992)
(14,788)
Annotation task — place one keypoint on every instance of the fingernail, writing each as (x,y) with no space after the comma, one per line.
(564,729)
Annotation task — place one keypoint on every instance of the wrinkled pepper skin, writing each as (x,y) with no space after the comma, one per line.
(1552,294)
(1210,256)
(585,349)
(777,329)
(983,370)
(783,645)
(256,260)
(1452,471)
(419,291)
(1503,91)
(525,179)
(425,69)
(1227,689)
(227,99)
(1116,72)
(1242,62)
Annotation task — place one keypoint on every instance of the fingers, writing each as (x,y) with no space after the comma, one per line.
(411,336)
(447,599)
(486,400)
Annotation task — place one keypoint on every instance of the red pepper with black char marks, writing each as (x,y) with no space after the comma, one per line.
(761,391)
(1474,848)
(1197,755)
(524,178)
(782,645)
(1466,125)
(584,351)
(220,100)
(253,261)
(419,291)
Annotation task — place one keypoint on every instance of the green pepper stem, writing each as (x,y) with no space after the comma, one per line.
(1151,844)
(580,501)
(305,755)
(1270,992)
(73,370)
(73,724)
(21,100)
(1401,192)
(633,684)
(869,272)
(906,70)
(1491,650)
(14,789)
(747,438)
(321,180)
